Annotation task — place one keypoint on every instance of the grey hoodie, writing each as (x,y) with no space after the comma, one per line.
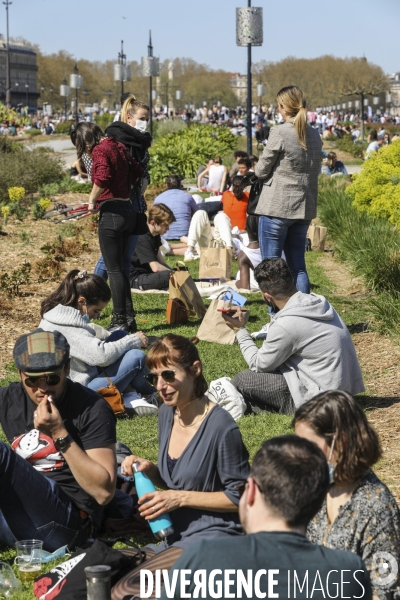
(310,345)
(87,351)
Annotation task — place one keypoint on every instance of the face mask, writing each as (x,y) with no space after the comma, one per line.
(86,318)
(49,556)
(331,467)
(141,125)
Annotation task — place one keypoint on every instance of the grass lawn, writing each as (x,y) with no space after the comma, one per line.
(140,434)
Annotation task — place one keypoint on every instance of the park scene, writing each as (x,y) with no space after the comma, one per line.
(199,309)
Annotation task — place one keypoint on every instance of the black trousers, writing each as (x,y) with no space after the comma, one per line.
(151,281)
(265,392)
(117,222)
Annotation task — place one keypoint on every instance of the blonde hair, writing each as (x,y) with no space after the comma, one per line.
(332,157)
(130,107)
(292,99)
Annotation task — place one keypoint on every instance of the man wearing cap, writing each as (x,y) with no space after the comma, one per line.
(61,468)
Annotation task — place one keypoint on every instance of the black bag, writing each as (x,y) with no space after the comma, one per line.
(67,581)
(255,193)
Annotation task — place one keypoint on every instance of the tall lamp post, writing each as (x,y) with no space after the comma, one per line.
(65,91)
(122,71)
(249,32)
(27,95)
(76,82)
(150,69)
(7,3)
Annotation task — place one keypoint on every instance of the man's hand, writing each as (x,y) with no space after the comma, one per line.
(47,419)
(236,322)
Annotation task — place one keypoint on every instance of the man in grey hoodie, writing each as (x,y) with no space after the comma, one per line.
(308,348)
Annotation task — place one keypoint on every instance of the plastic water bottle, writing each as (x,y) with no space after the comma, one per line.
(162,526)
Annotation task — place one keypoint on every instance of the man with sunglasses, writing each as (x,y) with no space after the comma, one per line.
(288,481)
(60,468)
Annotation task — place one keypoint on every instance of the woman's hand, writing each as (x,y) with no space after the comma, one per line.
(155,504)
(143,338)
(145,465)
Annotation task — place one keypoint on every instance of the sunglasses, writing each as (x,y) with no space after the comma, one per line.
(240,487)
(168,375)
(51,379)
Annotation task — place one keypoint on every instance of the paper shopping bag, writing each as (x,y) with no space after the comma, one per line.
(317,235)
(182,286)
(215,261)
(213,327)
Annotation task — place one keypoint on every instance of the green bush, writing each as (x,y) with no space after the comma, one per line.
(185,150)
(376,189)
(161,128)
(346,144)
(104,120)
(64,127)
(29,170)
(33,132)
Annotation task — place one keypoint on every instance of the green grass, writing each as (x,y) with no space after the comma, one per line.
(140,434)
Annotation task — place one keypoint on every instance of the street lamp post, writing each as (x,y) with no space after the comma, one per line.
(76,81)
(150,69)
(7,3)
(122,71)
(65,91)
(249,32)
(27,95)
(51,90)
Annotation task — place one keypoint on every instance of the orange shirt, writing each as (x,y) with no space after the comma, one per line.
(235,209)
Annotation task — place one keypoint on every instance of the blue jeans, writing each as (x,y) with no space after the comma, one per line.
(100,268)
(129,369)
(33,506)
(289,235)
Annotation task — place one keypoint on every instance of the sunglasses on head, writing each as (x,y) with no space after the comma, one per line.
(51,379)
(168,375)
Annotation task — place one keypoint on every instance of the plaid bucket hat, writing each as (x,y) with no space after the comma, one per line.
(41,352)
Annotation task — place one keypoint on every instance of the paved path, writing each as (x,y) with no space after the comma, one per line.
(62,146)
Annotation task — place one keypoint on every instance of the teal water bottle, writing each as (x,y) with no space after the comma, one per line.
(162,526)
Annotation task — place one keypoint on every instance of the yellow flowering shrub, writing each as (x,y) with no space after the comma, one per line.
(16,193)
(5,211)
(45,203)
(376,189)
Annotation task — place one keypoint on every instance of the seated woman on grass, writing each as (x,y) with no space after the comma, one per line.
(359,514)
(95,353)
(201,459)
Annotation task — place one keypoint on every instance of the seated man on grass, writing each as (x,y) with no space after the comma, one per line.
(180,203)
(308,349)
(60,468)
(287,485)
(248,256)
(149,271)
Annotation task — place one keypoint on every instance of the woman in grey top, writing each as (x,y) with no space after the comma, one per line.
(201,457)
(289,167)
(359,514)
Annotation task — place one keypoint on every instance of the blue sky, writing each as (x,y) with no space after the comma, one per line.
(205,29)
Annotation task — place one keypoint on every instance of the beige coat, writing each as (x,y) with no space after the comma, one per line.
(290,189)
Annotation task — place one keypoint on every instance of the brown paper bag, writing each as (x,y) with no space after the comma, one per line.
(213,328)
(182,286)
(317,235)
(215,261)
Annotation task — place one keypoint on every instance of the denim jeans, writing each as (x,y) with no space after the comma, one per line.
(129,369)
(115,227)
(33,506)
(289,235)
(100,268)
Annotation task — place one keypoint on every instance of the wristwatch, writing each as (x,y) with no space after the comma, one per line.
(62,444)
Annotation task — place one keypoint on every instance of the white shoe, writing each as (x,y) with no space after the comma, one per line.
(145,407)
(189,255)
(262,334)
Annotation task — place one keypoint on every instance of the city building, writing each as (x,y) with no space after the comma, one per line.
(394,93)
(23,74)
(239,85)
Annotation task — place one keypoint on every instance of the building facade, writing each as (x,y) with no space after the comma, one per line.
(23,74)
(394,93)
(239,86)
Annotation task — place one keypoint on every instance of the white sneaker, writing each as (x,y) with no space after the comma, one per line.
(145,407)
(189,255)
(262,334)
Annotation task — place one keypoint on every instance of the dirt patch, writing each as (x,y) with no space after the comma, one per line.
(345,283)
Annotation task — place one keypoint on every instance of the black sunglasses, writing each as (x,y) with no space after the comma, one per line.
(240,487)
(51,379)
(168,375)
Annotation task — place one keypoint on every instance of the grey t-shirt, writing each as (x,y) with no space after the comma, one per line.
(215,460)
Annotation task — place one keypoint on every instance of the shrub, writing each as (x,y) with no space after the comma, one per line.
(376,189)
(5,211)
(33,132)
(38,211)
(184,151)
(16,193)
(104,120)
(28,169)
(346,144)
(64,127)
(161,128)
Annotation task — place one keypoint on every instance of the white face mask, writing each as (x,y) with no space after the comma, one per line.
(141,125)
